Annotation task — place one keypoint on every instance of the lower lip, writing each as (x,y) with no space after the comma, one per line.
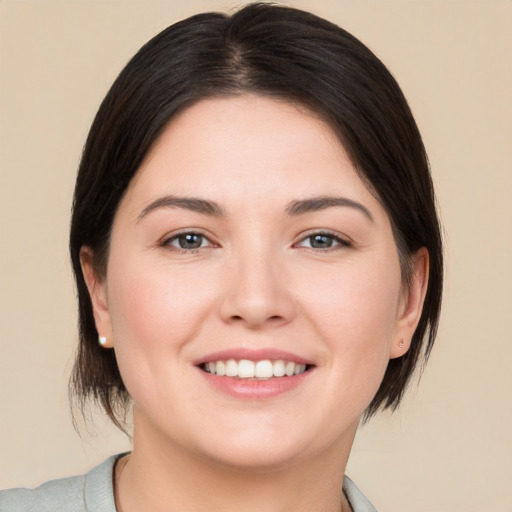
(254,389)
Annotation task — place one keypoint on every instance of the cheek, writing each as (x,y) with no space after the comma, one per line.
(352,302)
(355,312)
(154,313)
(155,308)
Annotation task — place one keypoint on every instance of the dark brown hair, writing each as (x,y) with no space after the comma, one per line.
(273,51)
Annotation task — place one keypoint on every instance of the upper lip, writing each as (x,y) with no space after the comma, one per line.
(252,355)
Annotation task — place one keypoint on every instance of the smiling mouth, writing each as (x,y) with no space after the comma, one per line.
(255,370)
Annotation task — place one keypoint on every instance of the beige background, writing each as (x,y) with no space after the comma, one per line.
(449,448)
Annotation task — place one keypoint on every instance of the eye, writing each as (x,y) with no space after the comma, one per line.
(188,241)
(322,241)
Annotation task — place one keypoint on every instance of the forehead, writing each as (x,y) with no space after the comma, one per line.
(247,147)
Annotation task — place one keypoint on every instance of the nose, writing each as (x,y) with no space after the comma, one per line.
(257,293)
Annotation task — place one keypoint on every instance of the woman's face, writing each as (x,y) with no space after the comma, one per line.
(247,245)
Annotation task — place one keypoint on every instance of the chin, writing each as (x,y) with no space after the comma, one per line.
(266,448)
(255,458)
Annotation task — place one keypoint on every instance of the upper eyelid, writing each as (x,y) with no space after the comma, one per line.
(194,231)
(343,239)
(341,242)
(326,232)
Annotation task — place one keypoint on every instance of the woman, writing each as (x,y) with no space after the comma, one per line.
(258,262)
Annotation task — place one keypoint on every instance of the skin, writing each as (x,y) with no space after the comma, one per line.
(256,281)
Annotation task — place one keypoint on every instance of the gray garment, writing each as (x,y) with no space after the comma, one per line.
(94,492)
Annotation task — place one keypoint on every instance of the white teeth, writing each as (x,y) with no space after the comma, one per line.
(264,369)
(299,368)
(246,369)
(279,369)
(231,368)
(219,368)
(290,369)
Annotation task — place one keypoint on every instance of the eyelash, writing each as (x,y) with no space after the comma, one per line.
(167,243)
(336,239)
(333,237)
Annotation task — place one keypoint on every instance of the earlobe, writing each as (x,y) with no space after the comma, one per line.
(97,288)
(412,305)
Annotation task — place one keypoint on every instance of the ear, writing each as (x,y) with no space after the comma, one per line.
(411,305)
(97,287)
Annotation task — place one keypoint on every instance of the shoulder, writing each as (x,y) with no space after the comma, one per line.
(356,498)
(83,493)
(64,494)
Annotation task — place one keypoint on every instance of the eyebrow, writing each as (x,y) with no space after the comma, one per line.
(321,203)
(188,203)
(294,208)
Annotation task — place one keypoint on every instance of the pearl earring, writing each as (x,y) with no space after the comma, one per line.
(102,340)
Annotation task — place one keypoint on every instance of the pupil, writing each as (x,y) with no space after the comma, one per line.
(190,241)
(321,241)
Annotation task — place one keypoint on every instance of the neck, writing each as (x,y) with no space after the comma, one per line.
(174,479)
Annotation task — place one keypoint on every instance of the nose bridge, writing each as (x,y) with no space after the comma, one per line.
(256,292)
